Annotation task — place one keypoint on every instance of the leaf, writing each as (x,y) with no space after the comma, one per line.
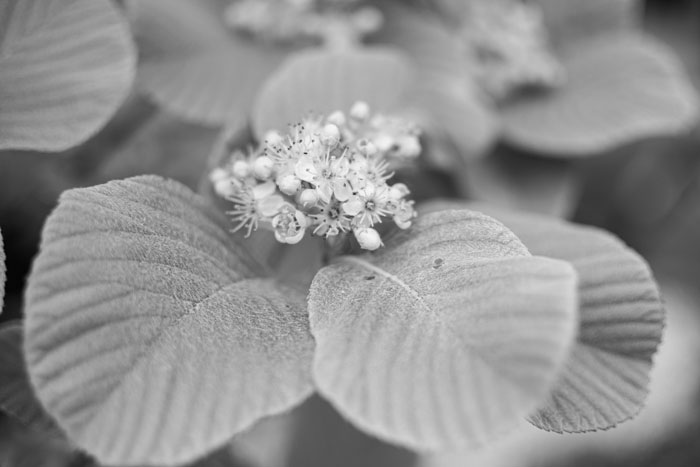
(444,88)
(192,66)
(571,21)
(16,394)
(322,81)
(164,146)
(65,67)
(151,336)
(3,272)
(511,178)
(618,89)
(607,376)
(446,338)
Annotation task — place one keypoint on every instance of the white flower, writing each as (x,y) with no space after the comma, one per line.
(327,176)
(289,224)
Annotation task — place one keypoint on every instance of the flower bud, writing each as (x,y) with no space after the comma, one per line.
(408,146)
(366,147)
(368,238)
(262,167)
(330,135)
(224,188)
(337,118)
(273,138)
(218,174)
(241,169)
(360,111)
(288,184)
(308,197)
(398,191)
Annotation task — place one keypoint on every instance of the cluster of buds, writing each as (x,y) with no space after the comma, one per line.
(327,176)
(507,41)
(288,21)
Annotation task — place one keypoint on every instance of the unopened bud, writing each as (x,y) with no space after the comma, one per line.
(308,197)
(289,184)
(241,169)
(368,238)
(262,167)
(330,135)
(337,118)
(360,111)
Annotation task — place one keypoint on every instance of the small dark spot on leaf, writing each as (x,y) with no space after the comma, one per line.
(369,278)
(437,263)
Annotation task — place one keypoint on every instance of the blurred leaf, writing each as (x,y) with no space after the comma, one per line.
(444,89)
(2,272)
(446,338)
(164,146)
(511,178)
(619,88)
(192,66)
(571,21)
(16,393)
(65,66)
(621,320)
(322,81)
(152,337)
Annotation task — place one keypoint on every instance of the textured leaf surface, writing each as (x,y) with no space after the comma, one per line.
(607,376)
(16,393)
(65,66)
(570,21)
(443,89)
(322,81)
(445,339)
(151,336)
(192,66)
(618,89)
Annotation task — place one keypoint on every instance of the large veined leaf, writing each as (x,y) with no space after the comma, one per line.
(16,393)
(621,321)
(619,88)
(446,338)
(151,336)
(444,89)
(570,21)
(65,66)
(192,66)
(322,81)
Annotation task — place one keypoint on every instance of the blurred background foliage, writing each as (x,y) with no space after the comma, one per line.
(648,193)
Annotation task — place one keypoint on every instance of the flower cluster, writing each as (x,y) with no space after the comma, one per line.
(328,176)
(507,42)
(295,20)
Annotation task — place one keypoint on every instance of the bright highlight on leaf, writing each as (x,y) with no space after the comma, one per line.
(151,336)
(606,379)
(445,339)
(65,67)
(322,81)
